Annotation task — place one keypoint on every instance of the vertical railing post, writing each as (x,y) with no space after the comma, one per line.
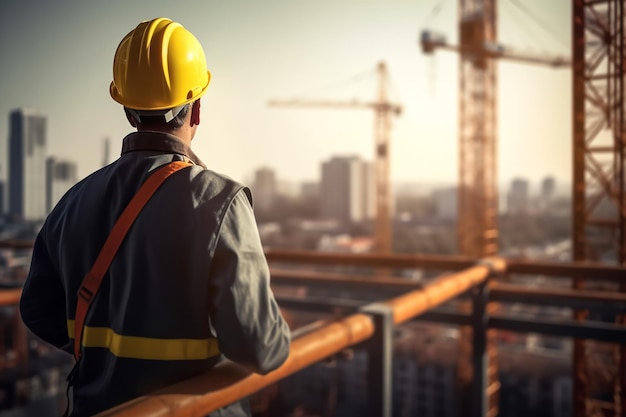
(480,357)
(380,361)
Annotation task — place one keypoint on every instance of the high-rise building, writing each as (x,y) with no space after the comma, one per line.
(347,189)
(60,177)
(547,193)
(27,165)
(264,188)
(518,201)
(548,188)
(310,190)
(2,186)
(446,202)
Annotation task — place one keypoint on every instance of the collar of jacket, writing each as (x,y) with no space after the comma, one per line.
(159,142)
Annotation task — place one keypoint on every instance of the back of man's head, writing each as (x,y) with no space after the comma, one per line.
(159,70)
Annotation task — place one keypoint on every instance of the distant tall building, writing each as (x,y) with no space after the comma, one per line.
(60,177)
(518,201)
(264,188)
(547,193)
(27,165)
(3,184)
(310,190)
(347,189)
(1,198)
(446,202)
(548,188)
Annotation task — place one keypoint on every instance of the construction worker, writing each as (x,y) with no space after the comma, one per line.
(188,282)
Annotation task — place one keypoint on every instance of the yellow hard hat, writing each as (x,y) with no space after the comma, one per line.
(159,65)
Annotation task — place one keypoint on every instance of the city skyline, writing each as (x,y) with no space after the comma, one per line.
(279,49)
(28,132)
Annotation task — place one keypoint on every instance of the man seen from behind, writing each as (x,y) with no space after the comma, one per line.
(189,283)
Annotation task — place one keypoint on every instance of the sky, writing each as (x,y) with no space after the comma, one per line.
(57,57)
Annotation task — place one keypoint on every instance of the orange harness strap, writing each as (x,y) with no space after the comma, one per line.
(93,278)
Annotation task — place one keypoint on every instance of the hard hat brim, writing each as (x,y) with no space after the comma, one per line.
(191,97)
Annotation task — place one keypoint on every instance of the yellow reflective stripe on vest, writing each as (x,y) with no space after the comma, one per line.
(146,347)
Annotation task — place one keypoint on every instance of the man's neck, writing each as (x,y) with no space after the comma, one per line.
(182,133)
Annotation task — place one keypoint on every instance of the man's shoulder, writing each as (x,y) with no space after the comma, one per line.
(214,184)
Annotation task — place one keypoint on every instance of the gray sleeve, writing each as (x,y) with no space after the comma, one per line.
(42,304)
(250,328)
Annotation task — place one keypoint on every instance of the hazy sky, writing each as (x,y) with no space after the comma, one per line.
(56,57)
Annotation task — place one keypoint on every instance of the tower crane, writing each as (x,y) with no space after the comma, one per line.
(478,48)
(383,110)
(599,172)
(477,231)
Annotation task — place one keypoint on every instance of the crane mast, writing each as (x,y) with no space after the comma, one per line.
(383,110)
(599,170)
(478,203)
(382,128)
(477,230)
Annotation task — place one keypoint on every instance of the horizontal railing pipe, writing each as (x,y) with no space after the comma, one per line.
(10,297)
(301,277)
(606,332)
(579,270)
(372,260)
(16,244)
(559,297)
(319,304)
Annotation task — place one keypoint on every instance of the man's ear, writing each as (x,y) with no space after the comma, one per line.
(130,119)
(195,113)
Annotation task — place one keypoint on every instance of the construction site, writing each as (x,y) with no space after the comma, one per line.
(471,328)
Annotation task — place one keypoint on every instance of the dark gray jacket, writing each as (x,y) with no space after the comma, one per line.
(189,284)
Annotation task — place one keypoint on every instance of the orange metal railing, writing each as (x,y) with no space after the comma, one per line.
(228,382)
(10,297)
(372,260)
